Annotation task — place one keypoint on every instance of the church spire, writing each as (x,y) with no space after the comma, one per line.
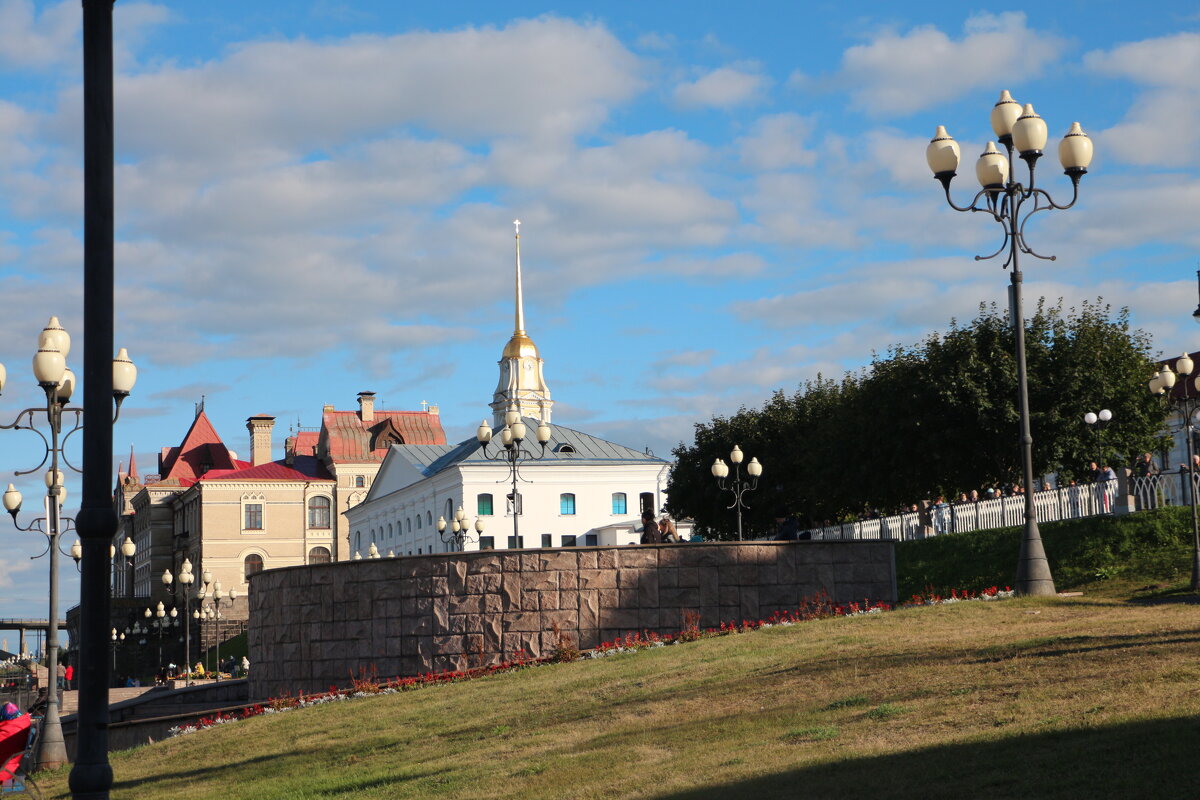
(521,385)
(520,323)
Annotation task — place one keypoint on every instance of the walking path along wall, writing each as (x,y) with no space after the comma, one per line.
(312,627)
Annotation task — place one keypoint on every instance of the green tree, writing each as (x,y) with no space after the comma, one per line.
(938,418)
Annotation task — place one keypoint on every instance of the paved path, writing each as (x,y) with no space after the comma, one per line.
(70,700)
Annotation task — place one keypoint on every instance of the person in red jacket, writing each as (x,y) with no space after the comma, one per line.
(69,674)
(14,733)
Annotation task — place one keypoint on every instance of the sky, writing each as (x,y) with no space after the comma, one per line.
(717,201)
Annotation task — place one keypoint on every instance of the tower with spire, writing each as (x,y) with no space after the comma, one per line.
(522,385)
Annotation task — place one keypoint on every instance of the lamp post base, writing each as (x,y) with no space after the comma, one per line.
(1033,570)
(52,750)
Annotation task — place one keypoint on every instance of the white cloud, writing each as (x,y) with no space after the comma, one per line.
(1163,126)
(903,72)
(541,78)
(29,40)
(777,141)
(725,87)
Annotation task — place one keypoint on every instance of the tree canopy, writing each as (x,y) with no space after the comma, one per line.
(937,418)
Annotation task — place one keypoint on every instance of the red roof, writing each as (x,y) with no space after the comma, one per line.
(201,450)
(304,468)
(350,439)
(306,443)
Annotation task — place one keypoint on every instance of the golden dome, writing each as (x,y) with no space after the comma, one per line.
(520,346)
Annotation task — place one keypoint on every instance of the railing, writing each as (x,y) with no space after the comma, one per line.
(1051,505)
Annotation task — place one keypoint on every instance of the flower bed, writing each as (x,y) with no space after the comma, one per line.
(368,684)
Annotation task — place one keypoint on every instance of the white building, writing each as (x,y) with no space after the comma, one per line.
(584,491)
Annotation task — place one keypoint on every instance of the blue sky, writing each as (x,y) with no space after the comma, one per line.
(315,198)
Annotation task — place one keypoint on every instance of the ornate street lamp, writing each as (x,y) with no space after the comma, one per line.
(1011,204)
(160,622)
(216,596)
(460,530)
(185,579)
(739,487)
(1097,423)
(511,436)
(1188,399)
(57,382)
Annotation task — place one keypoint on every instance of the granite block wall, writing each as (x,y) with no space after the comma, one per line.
(312,627)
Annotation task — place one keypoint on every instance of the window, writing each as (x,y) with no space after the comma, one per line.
(566,504)
(429,518)
(359,481)
(646,501)
(253,565)
(516,542)
(619,506)
(483,505)
(449,515)
(253,517)
(487,543)
(568,541)
(319,555)
(547,540)
(389,531)
(408,525)
(318,512)
(590,540)
(419,551)
(418,522)
(357,541)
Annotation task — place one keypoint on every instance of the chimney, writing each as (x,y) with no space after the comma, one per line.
(435,410)
(260,438)
(366,402)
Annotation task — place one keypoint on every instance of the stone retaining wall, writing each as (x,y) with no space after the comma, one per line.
(313,626)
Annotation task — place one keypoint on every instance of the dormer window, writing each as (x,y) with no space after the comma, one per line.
(566,449)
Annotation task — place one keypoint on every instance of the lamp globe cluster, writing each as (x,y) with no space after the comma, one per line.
(1018,127)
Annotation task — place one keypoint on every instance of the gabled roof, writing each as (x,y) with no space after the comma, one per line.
(303,468)
(305,443)
(348,438)
(200,447)
(566,445)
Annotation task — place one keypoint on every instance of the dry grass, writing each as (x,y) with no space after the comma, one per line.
(1084,697)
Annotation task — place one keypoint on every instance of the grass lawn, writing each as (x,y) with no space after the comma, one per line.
(1094,696)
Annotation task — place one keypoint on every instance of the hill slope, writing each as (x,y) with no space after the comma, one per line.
(1048,698)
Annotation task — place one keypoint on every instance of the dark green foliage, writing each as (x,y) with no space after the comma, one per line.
(939,418)
(1149,546)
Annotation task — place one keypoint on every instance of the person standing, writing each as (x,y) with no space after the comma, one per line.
(650,532)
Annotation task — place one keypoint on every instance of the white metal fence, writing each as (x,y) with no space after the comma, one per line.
(1067,502)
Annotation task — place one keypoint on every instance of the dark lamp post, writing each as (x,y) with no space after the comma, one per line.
(1097,423)
(738,486)
(1011,204)
(460,529)
(512,435)
(1188,400)
(57,382)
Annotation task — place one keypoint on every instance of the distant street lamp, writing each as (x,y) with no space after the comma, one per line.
(511,437)
(1097,423)
(739,487)
(185,580)
(216,596)
(1012,204)
(460,530)
(57,382)
(160,622)
(1188,400)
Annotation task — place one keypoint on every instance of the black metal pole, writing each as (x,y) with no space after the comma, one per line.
(1190,408)
(91,776)
(1033,570)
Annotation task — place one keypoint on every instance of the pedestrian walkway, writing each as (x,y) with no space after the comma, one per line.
(69,701)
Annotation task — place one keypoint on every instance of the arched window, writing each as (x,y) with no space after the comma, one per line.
(359,481)
(449,509)
(319,555)
(429,518)
(408,525)
(418,522)
(318,512)
(357,540)
(253,565)
(389,530)
(566,504)
(618,503)
(483,505)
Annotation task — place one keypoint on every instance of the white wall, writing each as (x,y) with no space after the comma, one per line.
(592,485)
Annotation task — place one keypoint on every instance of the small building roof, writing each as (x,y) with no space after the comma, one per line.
(303,468)
(566,445)
(351,439)
(201,447)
